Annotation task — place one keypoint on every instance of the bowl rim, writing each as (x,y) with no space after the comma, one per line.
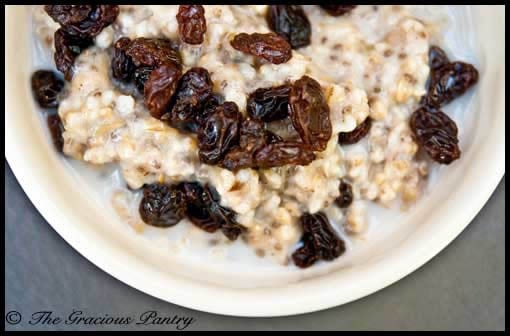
(200,296)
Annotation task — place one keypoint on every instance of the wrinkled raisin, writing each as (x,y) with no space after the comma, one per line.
(346,196)
(56,130)
(140,76)
(437,134)
(67,49)
(204,210)
(290,22)
(162,205)
(46,87)
(437,58)
(338,10)
(219,133)
(252,137)
(449,82)
(160,88)
(260,148)
(269,104)
(122,65)
(208,107)
(271,47)
(283,153)
(320,241)
(192,24)
(193,92)
(309,112)
(305,256)
(153,52)
(350,138)
(85,21)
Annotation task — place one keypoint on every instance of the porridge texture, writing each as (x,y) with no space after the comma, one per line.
(371,63)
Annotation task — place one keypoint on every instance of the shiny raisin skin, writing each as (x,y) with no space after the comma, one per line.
(67,49)
(351,138)
(140,76)
(122,65)
(162,205)
(208,107)
(204,210)
(192,94)
(153,52)
(437,58)
(160,88)
(56,130)
(271,47)
(252,137)
(320,241)
(46,87)
(219,133)
(192,23)
(346,197)
(309,112)
(260,148)
(269,104)
(290,22)
(338,10)
(85,21)
(449,82)
(437,134)
(283,153)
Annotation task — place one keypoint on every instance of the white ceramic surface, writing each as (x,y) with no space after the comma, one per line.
(460,193)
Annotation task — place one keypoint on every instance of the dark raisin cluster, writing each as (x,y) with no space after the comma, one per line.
(46,88)
(319,241)
(434,131)
(165,205)
(79,24)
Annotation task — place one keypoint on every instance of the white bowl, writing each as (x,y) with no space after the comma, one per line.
(460,193)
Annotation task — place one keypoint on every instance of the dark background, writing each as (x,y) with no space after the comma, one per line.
(463,288)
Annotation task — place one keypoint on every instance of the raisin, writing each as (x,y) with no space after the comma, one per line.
(346,196)
(437,134)
(320,242)
(260,148)
(338,10)
(56,130)
(351,138)
(153,52)
(193,92)
(252,137)
(162,205)
(192,24)
(85,21)
(449,82)
(272,138)
(196,208)
(271,47)
(160,88)
(67,49)
(204,210)
(122,65)
(46,87)
(437,58)
(269,104)
(305,256)
(283,153)
(219,133)
(309,112)
(140,76)
(291,23)
(208,107)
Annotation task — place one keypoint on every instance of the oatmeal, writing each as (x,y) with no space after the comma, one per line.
(260,122)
